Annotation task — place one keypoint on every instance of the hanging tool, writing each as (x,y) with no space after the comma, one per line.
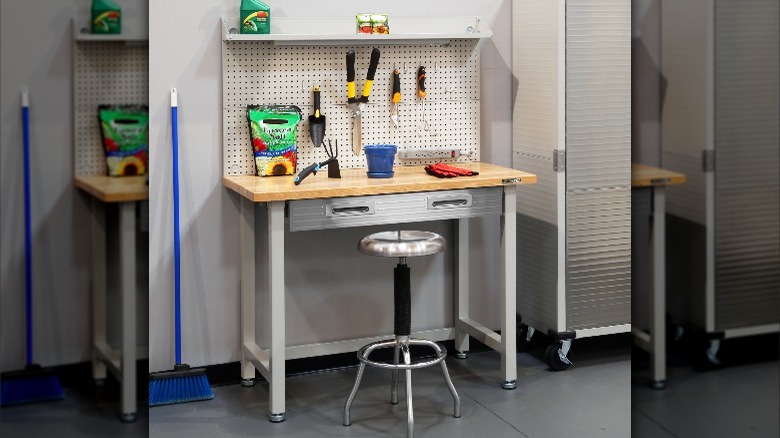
(333,169)
(396,97)
(421,93)
(317,121)
(421,83)
(358,104)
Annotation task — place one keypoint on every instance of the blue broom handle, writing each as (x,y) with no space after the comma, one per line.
(27,231)
(176,243)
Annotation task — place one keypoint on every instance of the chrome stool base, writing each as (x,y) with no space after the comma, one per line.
(400,347)
(402,244)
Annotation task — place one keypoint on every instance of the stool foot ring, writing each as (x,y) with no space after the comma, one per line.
(400,347)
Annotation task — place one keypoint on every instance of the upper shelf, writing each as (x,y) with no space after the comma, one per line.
(308,31)
(131,32)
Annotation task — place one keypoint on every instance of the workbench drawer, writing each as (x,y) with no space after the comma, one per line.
(318,214)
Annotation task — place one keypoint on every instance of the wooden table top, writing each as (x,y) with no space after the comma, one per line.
(649,176)
(354,182)
(114,188)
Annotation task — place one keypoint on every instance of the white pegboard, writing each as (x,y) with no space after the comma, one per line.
(113,72)
(259,72)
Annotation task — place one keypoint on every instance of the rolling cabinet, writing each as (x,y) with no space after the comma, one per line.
(572,127)
(111,69)
(719,126)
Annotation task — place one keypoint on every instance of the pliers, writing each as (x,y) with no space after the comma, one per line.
(358,104)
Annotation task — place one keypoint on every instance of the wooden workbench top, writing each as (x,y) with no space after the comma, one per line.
(114,188)
(649,176)
(354,182)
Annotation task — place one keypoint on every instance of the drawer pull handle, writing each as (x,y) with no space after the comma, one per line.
(360,209)
(449,203)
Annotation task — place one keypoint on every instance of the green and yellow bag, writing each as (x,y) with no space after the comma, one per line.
(273,131)
(125,133)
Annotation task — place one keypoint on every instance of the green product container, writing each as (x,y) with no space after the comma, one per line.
(255,17)
(106,17)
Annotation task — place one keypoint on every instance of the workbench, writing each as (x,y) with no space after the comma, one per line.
(126,192)
(355,200)
(654,342)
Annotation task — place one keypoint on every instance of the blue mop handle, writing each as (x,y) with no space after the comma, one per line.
(27,227)
(176,243)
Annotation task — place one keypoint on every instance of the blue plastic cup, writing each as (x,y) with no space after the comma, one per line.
(380,159)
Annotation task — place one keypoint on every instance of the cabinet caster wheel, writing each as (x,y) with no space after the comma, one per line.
(523,338)
(247,383)
(128,418)
(556,359)
(462,355)
(276,418)
(658,384)
(711,361)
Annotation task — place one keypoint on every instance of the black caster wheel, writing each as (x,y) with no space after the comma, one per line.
(523,344)
(553,357)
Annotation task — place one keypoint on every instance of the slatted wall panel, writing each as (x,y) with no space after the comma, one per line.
(598,163)
(535,132)
(747,164)
(685,124)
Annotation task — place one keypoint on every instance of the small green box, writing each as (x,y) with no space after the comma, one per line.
(106,17)
(255,17)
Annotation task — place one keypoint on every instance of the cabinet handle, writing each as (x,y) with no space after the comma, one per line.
(359,209)
(449,202)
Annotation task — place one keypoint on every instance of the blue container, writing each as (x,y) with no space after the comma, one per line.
(380,159)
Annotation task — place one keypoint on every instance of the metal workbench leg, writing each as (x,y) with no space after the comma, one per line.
(658,309)
(248,290)
(508,289)
(127,272)
(277,316)
(98,231)
(461,281)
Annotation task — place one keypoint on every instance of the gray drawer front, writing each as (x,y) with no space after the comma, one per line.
(318,214)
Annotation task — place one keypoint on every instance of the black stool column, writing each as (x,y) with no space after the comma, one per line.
(402,317)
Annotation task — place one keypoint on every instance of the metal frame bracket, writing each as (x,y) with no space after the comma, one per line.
(708,160)
(559,160)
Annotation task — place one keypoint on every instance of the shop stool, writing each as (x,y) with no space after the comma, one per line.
(402,244)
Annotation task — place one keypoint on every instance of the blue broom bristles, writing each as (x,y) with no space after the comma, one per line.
(30,387)
(182,385)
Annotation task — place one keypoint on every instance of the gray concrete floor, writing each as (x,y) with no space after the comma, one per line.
(591,399)
(735,401)
(80,414)
(596,397)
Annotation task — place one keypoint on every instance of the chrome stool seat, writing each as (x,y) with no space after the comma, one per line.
(402,244)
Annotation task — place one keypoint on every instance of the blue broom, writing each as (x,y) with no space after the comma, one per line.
(33,384)
(182,384)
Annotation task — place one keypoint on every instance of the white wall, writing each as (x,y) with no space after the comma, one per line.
(35,52)
(333,292)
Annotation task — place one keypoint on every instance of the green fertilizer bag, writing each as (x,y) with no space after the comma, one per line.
(125,132)
(273,131)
